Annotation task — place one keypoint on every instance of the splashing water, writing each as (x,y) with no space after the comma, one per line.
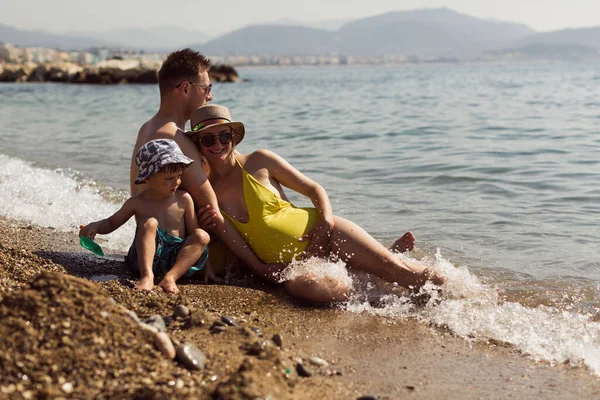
(473,311)
(58,199)
(318,269)
(468,308)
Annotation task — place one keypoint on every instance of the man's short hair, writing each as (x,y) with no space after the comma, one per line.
(179,66)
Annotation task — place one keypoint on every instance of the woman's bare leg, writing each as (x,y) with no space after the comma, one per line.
(317,290)
(361,251)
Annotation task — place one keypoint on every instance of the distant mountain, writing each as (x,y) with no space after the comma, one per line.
(428,32)
(550,51)
(271,40)
(26,38)
(328,24)
(159,38)
(582,36)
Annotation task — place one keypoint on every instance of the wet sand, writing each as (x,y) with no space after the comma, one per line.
(64,333)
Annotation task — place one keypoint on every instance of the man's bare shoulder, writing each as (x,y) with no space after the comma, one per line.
(157,129)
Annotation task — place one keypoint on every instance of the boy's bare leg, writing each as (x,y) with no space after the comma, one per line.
(404,244)
(188,255)
(145,246)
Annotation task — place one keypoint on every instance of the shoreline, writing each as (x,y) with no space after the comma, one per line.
(384,357)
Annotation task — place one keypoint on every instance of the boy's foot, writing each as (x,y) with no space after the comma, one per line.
(145,284)
(405,243)
(168,285)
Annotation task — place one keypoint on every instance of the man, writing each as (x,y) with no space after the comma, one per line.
(184,85)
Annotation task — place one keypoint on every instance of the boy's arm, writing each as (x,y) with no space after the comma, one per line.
(111,223)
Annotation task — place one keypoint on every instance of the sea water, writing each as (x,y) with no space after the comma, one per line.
(493,167)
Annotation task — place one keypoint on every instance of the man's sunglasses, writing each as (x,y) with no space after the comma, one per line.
(208,88)
(210,140)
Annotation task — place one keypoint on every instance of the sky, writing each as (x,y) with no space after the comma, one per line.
(214,18)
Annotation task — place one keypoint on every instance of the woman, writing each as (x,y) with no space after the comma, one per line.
(249,188)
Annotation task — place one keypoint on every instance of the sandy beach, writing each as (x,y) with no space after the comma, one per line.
(66,333)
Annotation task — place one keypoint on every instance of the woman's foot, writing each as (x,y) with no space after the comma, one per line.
(405,243)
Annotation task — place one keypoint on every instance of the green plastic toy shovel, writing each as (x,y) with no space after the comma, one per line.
(92,246)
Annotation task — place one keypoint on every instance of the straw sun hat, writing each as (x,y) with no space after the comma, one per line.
(213,114)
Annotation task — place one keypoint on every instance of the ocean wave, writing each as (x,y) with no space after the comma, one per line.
(60,199)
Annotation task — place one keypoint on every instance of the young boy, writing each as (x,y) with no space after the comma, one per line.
(164,216)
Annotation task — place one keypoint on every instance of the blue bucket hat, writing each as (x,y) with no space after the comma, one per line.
(154,155)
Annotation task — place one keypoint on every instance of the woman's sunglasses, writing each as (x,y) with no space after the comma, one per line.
(210,140)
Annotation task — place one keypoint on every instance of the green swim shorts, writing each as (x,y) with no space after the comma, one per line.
(167,248)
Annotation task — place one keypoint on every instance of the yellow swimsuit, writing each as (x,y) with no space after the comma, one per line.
(274,225)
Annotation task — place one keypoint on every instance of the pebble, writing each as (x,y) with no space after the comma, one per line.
(67,387)
(148,327)
(112,301)
(158,322)
(165,345)
(256,330)
(133,316)
(217,329)
(318,362)
(190,356)
(228,321)
(278,340)
(303,371)
(181,311)
(368,397)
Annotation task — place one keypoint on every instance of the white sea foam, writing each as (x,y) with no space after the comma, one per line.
(469,308)
(317,268)
(57,199)
(473,311)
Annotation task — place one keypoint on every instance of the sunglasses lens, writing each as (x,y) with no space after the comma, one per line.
(208,141)
(225,138)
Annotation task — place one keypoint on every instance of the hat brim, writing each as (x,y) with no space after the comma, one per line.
(237,128)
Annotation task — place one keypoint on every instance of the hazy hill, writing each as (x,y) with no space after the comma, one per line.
(550,51)
(581,36)
(327,24)
(26,38)
(159,38)
(271,40)
(429,32)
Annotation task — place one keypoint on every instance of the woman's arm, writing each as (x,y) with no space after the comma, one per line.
(189,216)
(284,173)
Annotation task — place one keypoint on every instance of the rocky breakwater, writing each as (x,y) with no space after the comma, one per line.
(105,72)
